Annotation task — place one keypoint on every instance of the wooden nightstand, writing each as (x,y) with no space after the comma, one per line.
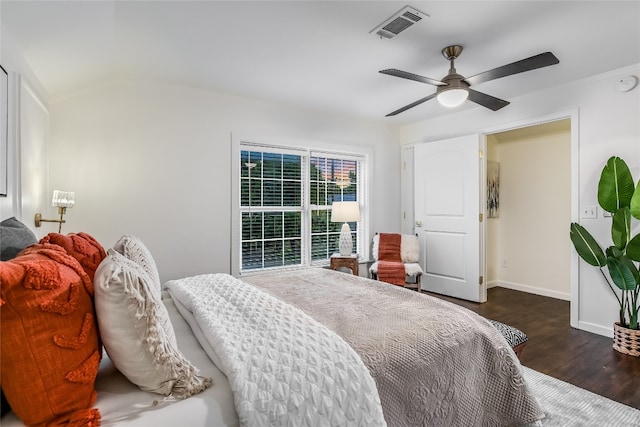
(349,261)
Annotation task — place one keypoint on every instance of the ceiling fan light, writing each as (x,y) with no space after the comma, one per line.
(453,97)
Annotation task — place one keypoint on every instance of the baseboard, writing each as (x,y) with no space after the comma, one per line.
(596,329)
(606,331)
(532,290)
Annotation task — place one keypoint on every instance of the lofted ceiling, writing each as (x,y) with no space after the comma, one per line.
(318,55)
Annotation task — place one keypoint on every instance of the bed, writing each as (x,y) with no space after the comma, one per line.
(313,347)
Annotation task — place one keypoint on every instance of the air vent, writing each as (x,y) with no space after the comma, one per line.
(400,21)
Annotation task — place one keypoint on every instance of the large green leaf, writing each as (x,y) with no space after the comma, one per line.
(635,202)
(634,269)
(633,248)
(613,252)
(622,273)
(586,246)
(615,188)
(621,227)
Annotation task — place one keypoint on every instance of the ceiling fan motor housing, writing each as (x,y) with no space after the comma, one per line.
(453,81)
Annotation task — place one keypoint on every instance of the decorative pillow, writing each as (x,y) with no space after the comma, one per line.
(82,247)
(410,248)
(14,237)
(50,350)
(136,330)
(133,248)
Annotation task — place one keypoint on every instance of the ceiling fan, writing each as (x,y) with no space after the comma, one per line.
(454,88)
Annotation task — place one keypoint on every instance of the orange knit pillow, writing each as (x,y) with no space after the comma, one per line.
(82,247)
(50,351)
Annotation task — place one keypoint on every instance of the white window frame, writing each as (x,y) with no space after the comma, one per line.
(306,149)
(360,190)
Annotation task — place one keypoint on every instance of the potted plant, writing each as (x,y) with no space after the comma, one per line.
(618,195)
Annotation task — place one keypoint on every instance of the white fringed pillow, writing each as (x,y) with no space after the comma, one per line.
(133,248)
(136,331)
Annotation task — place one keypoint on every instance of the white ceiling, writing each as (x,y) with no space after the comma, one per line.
(318,54)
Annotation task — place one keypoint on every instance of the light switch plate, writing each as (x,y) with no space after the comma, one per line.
(589,212)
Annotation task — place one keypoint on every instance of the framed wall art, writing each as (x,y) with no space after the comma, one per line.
(493,189)
(4,130)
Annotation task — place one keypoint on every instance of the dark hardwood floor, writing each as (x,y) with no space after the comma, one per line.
(581,358)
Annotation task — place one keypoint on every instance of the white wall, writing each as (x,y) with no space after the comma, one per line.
(28,155)
(153,160)
(608,125)
(35,194)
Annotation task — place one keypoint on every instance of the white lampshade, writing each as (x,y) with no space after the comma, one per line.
(345,212)
(452,97)
(63,199)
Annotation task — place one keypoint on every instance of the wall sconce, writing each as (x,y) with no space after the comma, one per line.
(62,200)
(345,212)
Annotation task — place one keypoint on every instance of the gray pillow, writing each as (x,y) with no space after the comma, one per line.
(14,237)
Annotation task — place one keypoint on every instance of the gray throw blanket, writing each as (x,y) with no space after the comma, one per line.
(434,363)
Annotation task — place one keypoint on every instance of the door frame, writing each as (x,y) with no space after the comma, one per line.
(573,116)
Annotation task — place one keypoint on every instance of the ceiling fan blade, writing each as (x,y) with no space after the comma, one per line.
(487,101)
(411,76)
(528,64)
(413,104)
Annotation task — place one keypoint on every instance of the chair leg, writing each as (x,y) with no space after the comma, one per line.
(415,284)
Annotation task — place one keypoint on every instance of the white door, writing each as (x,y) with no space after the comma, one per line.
(449,208)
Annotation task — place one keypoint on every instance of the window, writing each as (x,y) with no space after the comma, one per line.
(271,209)
(284,212)
(331,180)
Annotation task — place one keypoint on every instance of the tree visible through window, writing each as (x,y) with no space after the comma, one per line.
(331,180)
(285,205)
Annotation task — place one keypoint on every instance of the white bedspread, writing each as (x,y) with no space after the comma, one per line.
(284,368)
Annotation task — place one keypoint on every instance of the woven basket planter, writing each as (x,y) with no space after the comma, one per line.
(626,340)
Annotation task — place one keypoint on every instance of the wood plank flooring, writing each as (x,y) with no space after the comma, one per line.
(581,358)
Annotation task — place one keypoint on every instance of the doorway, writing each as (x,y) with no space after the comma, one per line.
(526,240)
(570,119)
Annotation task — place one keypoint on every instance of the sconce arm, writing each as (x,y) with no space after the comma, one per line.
(61,210)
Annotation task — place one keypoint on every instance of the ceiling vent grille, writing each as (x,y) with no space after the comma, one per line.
(400,21)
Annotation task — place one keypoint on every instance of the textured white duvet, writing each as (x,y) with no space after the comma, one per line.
(284,368)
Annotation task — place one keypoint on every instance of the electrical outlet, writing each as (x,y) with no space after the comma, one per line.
(504,263)
(589,212)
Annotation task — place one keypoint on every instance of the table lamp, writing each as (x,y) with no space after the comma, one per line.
(345,212)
